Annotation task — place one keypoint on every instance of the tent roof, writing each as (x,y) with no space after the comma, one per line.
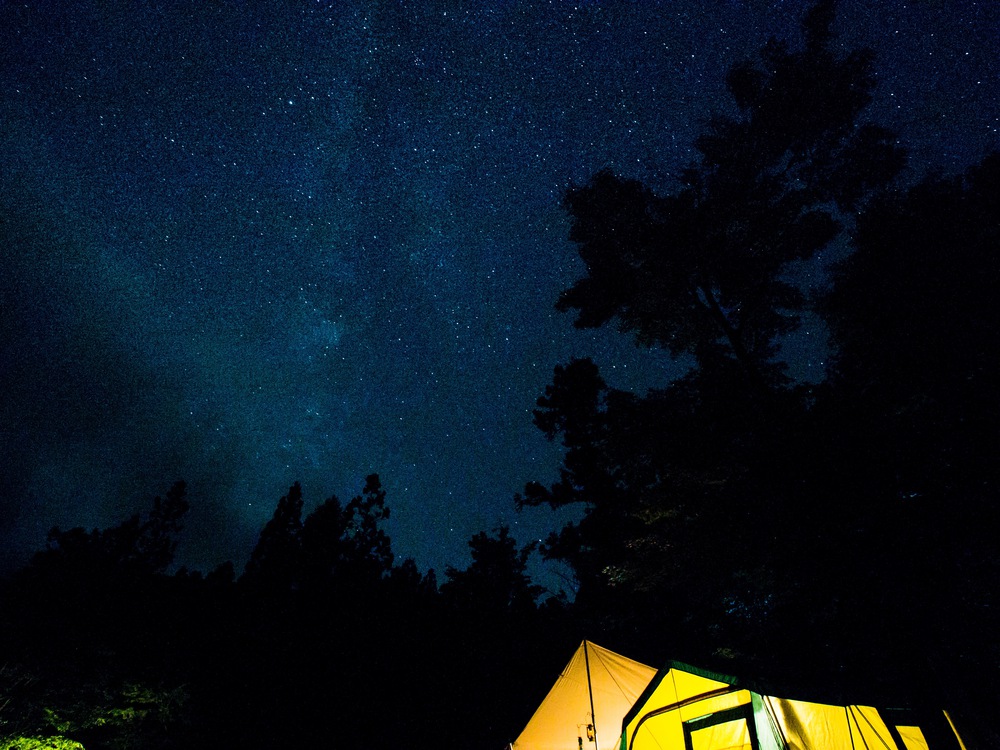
(613,681)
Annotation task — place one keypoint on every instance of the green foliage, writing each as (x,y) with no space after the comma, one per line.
(47,712)
(119,715)
(40,743)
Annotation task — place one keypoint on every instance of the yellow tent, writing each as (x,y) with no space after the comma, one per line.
(684,708)
(584,709)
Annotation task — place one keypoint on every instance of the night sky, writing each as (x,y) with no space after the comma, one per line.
(249,245)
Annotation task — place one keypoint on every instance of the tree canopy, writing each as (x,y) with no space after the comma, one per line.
(750,515)
(703,270)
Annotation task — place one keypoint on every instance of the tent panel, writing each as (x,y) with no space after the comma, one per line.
(807,725)
(665,729)
(913,738)
(561,720)
(616,683)
(679,685)
(732,735)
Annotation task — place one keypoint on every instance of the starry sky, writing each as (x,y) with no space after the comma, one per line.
(249,244)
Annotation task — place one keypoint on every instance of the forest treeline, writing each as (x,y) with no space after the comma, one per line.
(830,539)
(323,639)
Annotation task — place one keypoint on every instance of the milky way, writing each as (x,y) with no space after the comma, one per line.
(310,241)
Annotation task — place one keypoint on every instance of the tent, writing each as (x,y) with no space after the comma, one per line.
(684,708)
(584,708)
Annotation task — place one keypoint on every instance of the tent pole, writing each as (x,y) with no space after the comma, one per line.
(590,692)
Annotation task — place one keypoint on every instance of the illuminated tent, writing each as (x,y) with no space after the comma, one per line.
(584,708)
(684,708)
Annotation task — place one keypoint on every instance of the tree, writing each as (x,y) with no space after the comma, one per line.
(157,541)
(336,544)
(694,494)
(87,618)
(275,560)
(913,315)
(140,545)
(346,544)
(497,580)
(704,270)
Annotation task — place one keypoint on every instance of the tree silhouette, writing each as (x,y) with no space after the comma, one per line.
(715,497)
(275,561)
(87,623)
(703,270)
(140,545)
(497,580)
(911,310)
(913,315)
(346,544)
(341,545)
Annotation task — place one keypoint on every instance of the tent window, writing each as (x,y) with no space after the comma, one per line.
(732,729)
